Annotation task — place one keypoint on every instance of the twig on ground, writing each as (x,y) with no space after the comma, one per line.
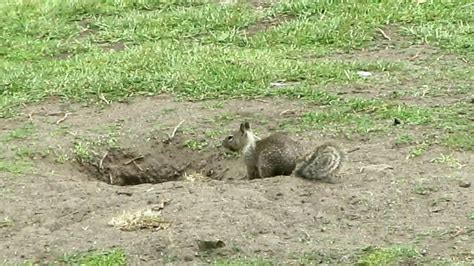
(133,160)
(54,113)
(62,119)
(287,111)
(30,116)
(171,136)
(458,232)
(353,150)
(101,165)
(415,56)
(124,193)
(102,97)
(111,179)
(137,166)
(384,34)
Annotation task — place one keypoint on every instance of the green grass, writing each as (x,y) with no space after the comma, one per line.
(21,133)
(364,116)
(405,139)
(448,160)
(386,256)
(198,50)
(96,258)
(6,222)
(318,257)
(470,216)
(195,145)
(15,166)
(419,149)
(82,150)
(425,190)
(86,148)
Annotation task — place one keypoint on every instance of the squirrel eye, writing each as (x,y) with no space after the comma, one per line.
(230,138)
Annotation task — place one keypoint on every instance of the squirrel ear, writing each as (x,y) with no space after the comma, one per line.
(242,128)
(247,126)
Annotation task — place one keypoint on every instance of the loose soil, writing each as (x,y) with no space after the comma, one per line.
(64,202)
(65,208)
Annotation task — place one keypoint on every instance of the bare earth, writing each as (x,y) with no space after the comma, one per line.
(382,197)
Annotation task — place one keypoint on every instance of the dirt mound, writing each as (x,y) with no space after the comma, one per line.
(162,161)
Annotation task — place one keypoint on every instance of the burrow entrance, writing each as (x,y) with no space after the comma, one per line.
(158,162)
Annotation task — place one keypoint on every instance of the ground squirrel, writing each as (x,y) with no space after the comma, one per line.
(279,154)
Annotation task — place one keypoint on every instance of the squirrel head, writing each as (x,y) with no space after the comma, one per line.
(237,140)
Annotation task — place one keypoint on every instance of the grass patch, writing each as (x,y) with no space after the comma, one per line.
(199,50)
(190,71)
(195,145)
(82,151)
(361,116)
(470,216)
(202,47)
(6,222)
(316,257)
(85,149)
(15,166)
(419,149)
(96,258)
(347,26)
(405,139)
(463,140)
(449,160)
(19,133)
(384,256)
(425,190)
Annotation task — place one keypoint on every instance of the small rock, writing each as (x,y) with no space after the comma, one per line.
(283,84)
(205,245)
(124,193)
(364,74)
(437,209)
(354,201)
(353,216)
(464,184)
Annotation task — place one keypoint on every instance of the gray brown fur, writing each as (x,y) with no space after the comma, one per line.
(320,164)
(279,154)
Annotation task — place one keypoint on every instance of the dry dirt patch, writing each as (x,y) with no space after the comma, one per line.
(160,163)
(417,201)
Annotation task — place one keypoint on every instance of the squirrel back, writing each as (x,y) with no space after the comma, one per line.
(279,154)
(320,164)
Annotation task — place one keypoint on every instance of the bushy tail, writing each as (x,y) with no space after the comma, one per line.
(321,164)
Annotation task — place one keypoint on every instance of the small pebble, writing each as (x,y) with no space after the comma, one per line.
(464,184)
(364,74)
